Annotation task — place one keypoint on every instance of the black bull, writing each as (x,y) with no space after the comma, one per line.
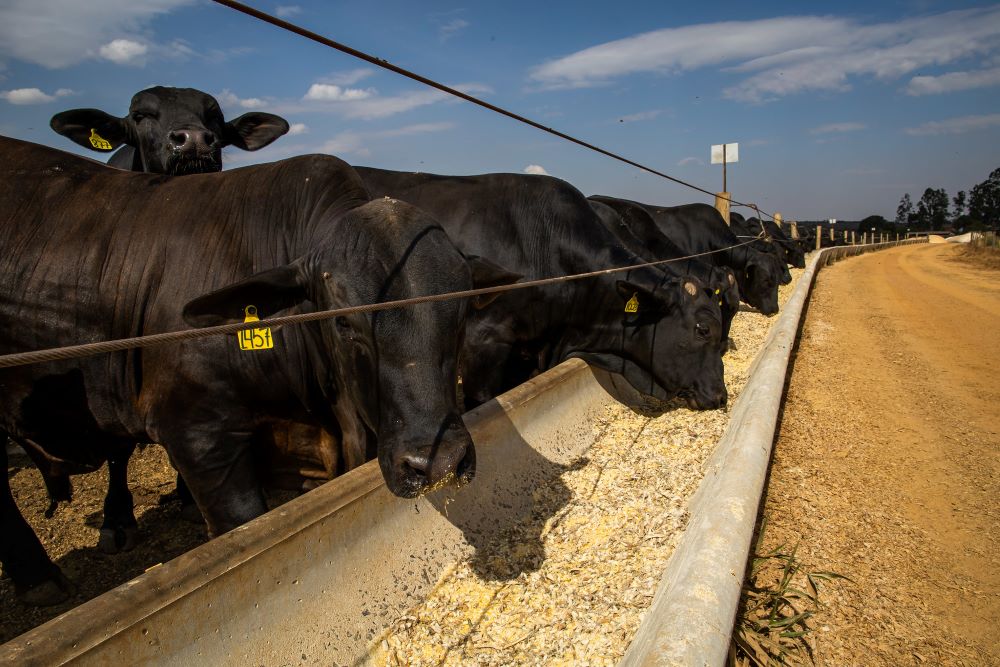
(659,330)
(91,253)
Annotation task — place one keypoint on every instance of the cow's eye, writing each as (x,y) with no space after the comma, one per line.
(703,330)
(138,116)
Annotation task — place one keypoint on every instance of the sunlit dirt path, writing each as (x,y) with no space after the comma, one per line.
(887,465)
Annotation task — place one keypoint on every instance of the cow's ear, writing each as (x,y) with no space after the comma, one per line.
(636,299)
(91,128)
(268,291)
(254,130)
(488,274)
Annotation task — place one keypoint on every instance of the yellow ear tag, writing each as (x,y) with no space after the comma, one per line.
(632,306)
(716,291)
(99,142)
(254,339)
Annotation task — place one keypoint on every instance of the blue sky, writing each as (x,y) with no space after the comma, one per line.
(839,108)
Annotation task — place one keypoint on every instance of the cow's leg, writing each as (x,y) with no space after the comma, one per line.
(118,532)
(57,481)
(220,472)
(37,580)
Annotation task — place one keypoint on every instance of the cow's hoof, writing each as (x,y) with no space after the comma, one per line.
(192,514)
(49,592)
(118,539)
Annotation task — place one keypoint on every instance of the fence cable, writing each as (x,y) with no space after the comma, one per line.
(380,62)
(117,345)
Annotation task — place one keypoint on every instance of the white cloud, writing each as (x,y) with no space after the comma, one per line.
(642,115)
(354,142)
(59,33)
(369,105)
(124,52)
(690,160)
(252,103)
(348,78)
(297,128)
(328,92)
(453,27)
(953,81)
(285,11)
(536,169)
(229,99)
(785,55)
(957,125)
(32,95)
(678,49)
(837,127)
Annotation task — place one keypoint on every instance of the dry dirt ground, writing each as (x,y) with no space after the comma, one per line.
(887,465)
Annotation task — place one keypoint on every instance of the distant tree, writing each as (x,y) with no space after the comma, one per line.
(932,209)
(958,205)
(878,222)
(984,200)
(904,210)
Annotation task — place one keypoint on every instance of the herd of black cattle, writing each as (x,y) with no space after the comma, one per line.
(163,240)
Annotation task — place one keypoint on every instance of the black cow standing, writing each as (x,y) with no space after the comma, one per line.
(699,228)
(172,131)
(791,251)
(660,331)
(92,253)
(634,227)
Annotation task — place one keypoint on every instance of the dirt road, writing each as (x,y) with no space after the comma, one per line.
(887,466)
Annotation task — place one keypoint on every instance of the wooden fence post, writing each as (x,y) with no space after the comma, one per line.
(722,205)
(795,229)
(852,238)
(819,237)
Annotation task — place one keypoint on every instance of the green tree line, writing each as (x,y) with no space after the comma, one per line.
(977,210)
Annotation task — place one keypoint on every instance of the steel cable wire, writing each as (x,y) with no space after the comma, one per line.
(117,345)
(380,62)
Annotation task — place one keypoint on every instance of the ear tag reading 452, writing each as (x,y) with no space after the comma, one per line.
(632,306)
(254,339)
(99,142)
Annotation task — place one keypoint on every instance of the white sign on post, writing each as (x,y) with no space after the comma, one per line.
(732,153)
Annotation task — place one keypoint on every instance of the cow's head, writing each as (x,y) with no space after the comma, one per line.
(759,281)
(794,254)
(665,338)
(398,368)
(726,291)
(172,130)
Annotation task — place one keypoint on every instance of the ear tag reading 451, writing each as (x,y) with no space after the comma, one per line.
(254,339)
(632,306)
(99,142)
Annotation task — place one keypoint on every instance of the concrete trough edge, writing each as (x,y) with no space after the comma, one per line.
(692,615)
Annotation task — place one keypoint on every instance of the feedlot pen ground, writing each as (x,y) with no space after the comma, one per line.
(575,598)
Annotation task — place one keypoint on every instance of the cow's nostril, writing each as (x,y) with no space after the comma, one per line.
(209,138)
(177,138)
(416,463)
